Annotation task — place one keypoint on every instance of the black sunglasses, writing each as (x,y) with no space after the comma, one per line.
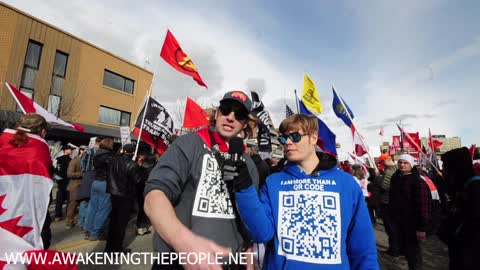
(294,137)
(240,113)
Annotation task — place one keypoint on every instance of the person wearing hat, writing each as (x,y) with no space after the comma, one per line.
(186,197)
(62,180)
(410,205)
(121,185)
(74,173)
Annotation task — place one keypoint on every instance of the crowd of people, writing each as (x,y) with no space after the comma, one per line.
(304,211)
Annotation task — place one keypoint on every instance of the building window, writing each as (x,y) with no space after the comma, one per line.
(58,78)
(30,68)
(113,116)
(118,82)
(54,104)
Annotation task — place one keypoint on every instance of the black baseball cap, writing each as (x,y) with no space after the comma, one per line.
(240,97)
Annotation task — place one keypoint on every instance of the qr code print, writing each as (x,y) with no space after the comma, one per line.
(309,226)
(212,199)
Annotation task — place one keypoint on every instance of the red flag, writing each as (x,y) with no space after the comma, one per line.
(195,116)
(155,143)
(472,150)
(173,54)
(29,106)
(411,139)
(434,144)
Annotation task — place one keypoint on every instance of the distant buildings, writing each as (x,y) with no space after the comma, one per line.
(70,77)
(447,143)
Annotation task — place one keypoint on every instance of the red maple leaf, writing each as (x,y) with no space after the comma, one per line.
(11,225)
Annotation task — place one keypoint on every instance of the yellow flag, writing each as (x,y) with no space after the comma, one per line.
(310,95)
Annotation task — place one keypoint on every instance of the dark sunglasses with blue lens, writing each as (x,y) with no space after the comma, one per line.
(240,113)
(293,136)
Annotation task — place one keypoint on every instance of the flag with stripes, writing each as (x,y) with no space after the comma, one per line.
(288,111)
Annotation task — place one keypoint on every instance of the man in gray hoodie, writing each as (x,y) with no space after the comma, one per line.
(186,198)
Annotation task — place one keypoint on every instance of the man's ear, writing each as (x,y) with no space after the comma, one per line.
(43,133)
(314,138)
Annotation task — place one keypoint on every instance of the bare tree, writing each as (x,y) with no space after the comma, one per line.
(69,96)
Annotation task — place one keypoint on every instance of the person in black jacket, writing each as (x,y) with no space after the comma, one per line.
(62,181)
(262,166)
(121,184)
(464,237)
(145,162)
(374,188)
(100,205)
(410,205)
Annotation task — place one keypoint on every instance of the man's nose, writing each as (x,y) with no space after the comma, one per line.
(231,116)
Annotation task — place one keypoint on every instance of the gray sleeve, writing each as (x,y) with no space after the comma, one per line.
(173,168)
(252,169)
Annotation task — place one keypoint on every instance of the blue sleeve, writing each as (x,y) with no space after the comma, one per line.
(256,213)
(361,245)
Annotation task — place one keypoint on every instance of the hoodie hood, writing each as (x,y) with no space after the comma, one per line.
(327,163)
(101,151)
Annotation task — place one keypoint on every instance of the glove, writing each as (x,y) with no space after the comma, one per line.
(236,175)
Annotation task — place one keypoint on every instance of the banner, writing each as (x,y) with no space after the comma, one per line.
(264,142)
(125,135)
(157,126)
(91,144)
(259,112)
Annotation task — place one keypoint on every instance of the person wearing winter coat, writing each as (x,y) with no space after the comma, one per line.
(312,214)
(464,237)
(411,210)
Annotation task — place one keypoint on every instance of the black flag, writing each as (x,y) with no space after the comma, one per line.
(157,126)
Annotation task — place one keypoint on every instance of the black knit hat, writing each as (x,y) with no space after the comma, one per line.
(457,160)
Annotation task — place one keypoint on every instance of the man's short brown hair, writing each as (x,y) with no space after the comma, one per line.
(307,123)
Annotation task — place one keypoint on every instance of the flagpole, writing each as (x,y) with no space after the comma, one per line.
(359,135)
(296,100)
(141,125)
(15,97)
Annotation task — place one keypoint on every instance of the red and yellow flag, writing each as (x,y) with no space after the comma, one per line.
(173,54)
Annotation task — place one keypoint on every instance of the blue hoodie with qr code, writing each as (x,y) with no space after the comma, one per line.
(317,221)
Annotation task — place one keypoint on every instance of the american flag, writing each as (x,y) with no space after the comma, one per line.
(288,111)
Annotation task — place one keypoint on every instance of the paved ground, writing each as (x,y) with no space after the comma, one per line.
(72,240)
(435,253)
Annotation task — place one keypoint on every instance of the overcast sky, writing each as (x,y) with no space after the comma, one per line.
(414,61)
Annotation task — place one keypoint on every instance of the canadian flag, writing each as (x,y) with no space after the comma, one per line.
(433,144)
(29,106)
(358,143)
(25,186)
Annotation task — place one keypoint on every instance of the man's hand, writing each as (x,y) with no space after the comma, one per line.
(236,175)
(206,252)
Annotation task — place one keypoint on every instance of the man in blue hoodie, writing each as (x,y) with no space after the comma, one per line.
(312,215)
